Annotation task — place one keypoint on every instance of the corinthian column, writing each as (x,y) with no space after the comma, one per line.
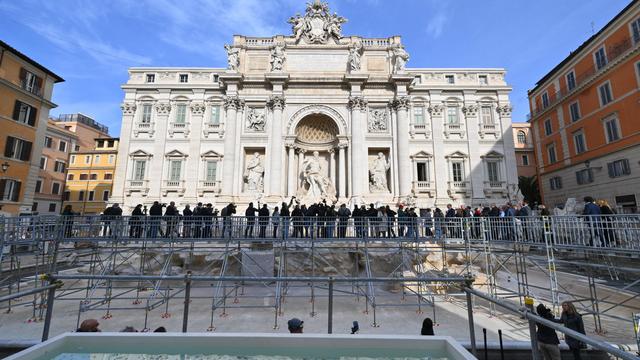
(291,178)
(276,103)
(231,105)
(401,105)
(332,166)
(342,182)
(358,106)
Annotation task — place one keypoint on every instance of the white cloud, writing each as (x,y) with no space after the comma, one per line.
(436,24)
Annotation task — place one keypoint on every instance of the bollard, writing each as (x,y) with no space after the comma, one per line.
(535,354)
(330,308)
(187,300)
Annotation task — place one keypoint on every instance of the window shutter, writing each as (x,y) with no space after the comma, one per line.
(611,168)
(626,169)
(26,151)
(16,191)
(3,184)
(32,116)
(8,148)
(23,74)
(16,110)
(38,85)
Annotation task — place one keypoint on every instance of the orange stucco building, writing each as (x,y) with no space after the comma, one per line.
(25,100)
(523,145)
(584,118)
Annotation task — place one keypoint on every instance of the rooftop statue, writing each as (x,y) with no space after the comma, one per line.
(317,26)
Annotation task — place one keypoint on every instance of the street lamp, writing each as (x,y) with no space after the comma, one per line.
(5,167)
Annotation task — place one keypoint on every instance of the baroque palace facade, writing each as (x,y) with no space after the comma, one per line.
(316,115)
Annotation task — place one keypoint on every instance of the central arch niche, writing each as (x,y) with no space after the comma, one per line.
(317,129)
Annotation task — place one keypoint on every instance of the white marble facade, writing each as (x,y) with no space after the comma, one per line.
(316,115)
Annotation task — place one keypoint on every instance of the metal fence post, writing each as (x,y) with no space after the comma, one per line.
(472,329)
(330,308)
(187,300)
(535,354)
(47,319)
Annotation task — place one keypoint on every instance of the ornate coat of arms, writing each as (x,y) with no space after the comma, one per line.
(317,26)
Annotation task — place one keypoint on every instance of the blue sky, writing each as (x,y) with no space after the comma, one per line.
(91,43)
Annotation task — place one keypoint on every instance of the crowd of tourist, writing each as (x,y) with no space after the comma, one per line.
(322,220)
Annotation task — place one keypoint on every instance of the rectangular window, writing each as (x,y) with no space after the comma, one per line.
(34,207)
(450,79)
(92,195)
(96,160)
(10,189)
(24,113)
(547,127)
(76,147)
(555,183)
(48,142)
(545,100)
(579,141)
(105,195)
(81,195)
(457,171)
(38,185)
(72,159)
(635,30)
(483,79)
(619,168)
(525,160)
(175,168)
(84,176)
(87,159)
(418,115)
(62,146)
(574,109)
(112,159)
(146,113)
(215,114)
(52,207)
(423,171)
(604,91)
(66,196)
(611,130)
(59,166)
(139,169)
(486,114)
(452,114)
(43,163)
(151,78)
(184,78)
(111,143)
(571,80)
(584,176)
(181,113)
(17,149)
(30,81)
(70,177)
(551,151)
(211,170)
(601,58)
(108,176)
(216,77)
(492,171)
(55,188)
(93,177)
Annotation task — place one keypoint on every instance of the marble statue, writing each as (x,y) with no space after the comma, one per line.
(320,186)
(255,121)
(254,173)
(355,55)
(233,57)
(334,25)
(401,57)
(277,58)
(298,25)
(378,173)
(317,26)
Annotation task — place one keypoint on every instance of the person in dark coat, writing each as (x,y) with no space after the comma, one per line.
(608,222)
(226,213)
(391,222)
(547,337)
(250,215)
(187,220)
(343,220)
(264,220)
(592,217)
(155,213)
(68,215)
(297,215)
(171,214)
(572,320)
(427,327)
(135,229)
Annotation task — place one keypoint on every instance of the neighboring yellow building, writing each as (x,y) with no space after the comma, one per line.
(90,177)
(25,101)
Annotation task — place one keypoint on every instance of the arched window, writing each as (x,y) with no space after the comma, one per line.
(522,137)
